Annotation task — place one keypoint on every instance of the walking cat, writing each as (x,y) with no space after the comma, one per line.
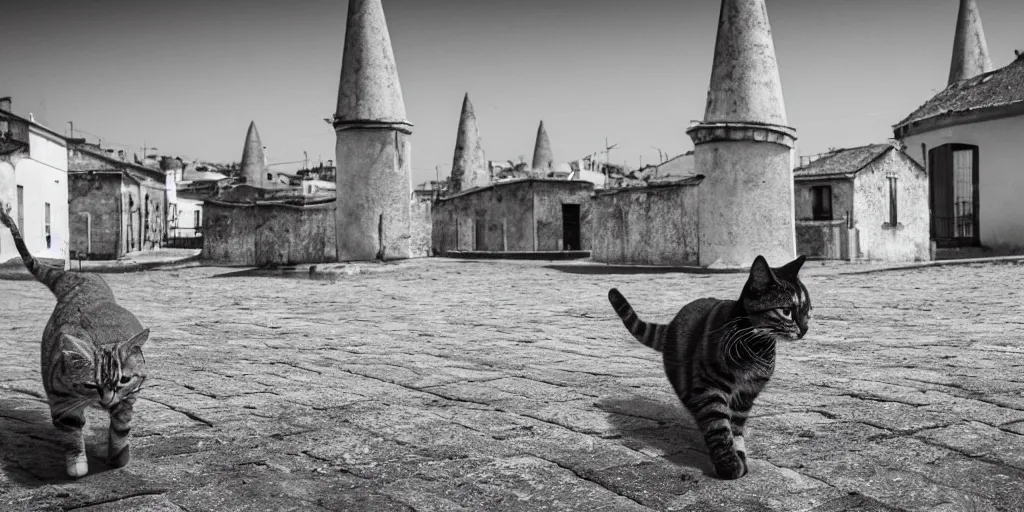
(91,355)
(720,354)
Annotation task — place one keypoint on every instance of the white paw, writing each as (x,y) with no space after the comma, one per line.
(739,444)
(78,467)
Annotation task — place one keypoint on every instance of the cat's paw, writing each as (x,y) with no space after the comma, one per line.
(121,458)
(77,465)
(731,466)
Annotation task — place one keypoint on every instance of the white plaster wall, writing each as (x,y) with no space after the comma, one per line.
(1000,174)
(186,223)
(8,197)
(374,188)
(44,177)
(877,240)
(746,203)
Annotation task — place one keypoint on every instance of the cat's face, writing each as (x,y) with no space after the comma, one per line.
(110,373)
(776,300)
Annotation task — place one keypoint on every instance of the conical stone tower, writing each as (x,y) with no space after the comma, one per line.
(254,162)
(543,160)
(744,147)
(469,167)
(373,152)
(970,50)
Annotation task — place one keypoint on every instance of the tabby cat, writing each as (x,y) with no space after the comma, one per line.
(91,354)
(720,354)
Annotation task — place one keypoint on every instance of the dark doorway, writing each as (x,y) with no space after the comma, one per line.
(953,195)
(571,227)
(480,225)
(821,202)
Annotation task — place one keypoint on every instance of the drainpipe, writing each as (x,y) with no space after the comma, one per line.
(88,231)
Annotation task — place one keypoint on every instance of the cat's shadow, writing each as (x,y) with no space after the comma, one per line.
(29,451)
(654,427)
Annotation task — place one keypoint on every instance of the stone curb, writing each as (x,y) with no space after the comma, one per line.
(939,263)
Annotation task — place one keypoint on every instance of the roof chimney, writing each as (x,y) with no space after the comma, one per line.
(970,50)
(5,104)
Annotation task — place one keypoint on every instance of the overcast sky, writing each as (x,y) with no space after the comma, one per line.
(188,76)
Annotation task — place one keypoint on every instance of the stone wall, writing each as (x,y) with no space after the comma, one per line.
(94,204)
(654,225)
(823,239)
(517,216)
(268,234)
(420,227)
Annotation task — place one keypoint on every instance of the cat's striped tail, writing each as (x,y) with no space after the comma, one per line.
(44,273)
(652,335)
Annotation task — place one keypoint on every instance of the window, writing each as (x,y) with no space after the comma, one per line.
(893,218)
(46,224)
(821,202)
(270,177)
(21,209)
(196,219)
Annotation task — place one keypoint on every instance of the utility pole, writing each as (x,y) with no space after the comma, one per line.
(607,153)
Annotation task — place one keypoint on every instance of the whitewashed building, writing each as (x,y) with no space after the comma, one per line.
(34,182)
(970,138)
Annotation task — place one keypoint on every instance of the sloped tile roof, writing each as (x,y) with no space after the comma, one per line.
(1004,86)
(843,161)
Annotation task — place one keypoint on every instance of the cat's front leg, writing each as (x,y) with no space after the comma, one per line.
(710,409)
(118,447)
(741,405)
(69,424)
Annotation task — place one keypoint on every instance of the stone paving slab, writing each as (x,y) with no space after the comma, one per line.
(442,385)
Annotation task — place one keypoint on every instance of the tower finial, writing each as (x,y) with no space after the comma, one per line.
(369,91)
(253,159)
(543,160)
(745,84)
(970,50)
(469,169)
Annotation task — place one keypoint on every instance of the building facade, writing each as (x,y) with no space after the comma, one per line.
(34,182)
(529,215)
(864,203)
(116,206)
(970,138)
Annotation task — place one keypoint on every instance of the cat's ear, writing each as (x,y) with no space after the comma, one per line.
(76,352)
(135,342)
(761,275)
(792,268)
